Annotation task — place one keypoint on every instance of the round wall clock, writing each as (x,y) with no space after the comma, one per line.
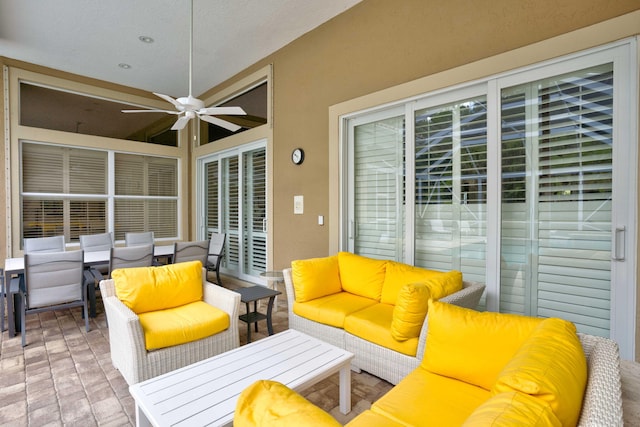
(297,156)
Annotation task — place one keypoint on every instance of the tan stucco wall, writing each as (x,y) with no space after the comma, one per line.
(376,45)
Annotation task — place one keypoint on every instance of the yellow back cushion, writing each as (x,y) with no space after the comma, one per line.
(399,274)
(445,284)
(410,310)
(145,289)
(361,275)
(270,403)
(316,277)
(550,366)
(473,346)
(513,409)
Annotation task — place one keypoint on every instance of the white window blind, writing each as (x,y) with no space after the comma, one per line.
(146,195)
(451,186)
(64,191)
(378,180)
(557,207)
(254,211)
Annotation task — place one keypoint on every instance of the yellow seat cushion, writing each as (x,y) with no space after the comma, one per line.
(332,309)
(374,324)
(179,325)
(361,275)
(426,399)
(399,274)
(316,277)
(550,366)
(268,403)
(369,418)
(146,289)
(513,409)
(473,346)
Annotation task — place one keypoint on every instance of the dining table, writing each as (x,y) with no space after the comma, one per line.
(15,267)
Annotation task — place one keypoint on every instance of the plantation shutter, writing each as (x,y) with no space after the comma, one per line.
(559,264)
(255,208)
(146,195)
(376,229)
(231,211)
(63,191)
(451,186)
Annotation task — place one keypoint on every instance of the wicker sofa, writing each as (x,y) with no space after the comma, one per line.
(376,359)
(127,341)
(492,369)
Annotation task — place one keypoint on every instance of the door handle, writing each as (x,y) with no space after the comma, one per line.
(619,243)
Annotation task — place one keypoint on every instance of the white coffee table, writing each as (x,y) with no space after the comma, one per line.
(206,392)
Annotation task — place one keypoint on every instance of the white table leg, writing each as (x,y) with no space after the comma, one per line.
(141,418)
(345,389)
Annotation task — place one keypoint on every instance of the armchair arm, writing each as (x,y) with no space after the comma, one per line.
(125,332)
(222,298)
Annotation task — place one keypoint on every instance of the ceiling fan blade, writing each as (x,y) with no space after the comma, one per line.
(168,99)
(229,111)
(151,111)
(180,123)
(219,122)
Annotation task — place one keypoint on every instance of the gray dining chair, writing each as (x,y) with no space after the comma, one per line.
(128,257)
(137,239)
(95,243)
(52,281)
(44,244)
(216,247)
(191,251)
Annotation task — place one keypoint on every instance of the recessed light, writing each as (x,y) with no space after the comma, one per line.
(123,65)
(145,39)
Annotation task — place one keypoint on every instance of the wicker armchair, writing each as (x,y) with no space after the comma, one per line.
(127,341)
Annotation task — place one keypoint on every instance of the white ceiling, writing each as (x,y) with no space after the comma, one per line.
(91,37)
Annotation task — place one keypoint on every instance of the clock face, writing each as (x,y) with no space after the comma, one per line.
(297,156)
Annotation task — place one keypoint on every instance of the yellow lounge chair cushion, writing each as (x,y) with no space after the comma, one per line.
(332,309)
(410,310)
(550,366)
(145,289)
(513,409)
(316,277)
(179,325)
(361,275)
(426,399)
(473,346)
(268,403)
(374,324)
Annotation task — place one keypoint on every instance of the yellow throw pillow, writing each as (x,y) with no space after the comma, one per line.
(513,409)
(398,274)
(361,275)
(268,403)
(145,289)
(550,366)
(410,310)
(472,346)
(315,277)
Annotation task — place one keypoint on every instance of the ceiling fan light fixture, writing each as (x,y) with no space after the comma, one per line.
(190,107)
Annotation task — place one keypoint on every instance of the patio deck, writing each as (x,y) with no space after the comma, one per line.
(64,376)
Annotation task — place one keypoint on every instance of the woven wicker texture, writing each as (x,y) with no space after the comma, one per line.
(126,338)
(380,361)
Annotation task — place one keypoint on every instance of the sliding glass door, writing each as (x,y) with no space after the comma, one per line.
(233,184)
(545,158)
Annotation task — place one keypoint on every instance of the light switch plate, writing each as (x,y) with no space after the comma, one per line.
(298,205)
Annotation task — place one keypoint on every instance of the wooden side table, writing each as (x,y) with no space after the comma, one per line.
(254,294)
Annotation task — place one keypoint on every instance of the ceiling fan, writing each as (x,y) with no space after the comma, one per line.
(188,107)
